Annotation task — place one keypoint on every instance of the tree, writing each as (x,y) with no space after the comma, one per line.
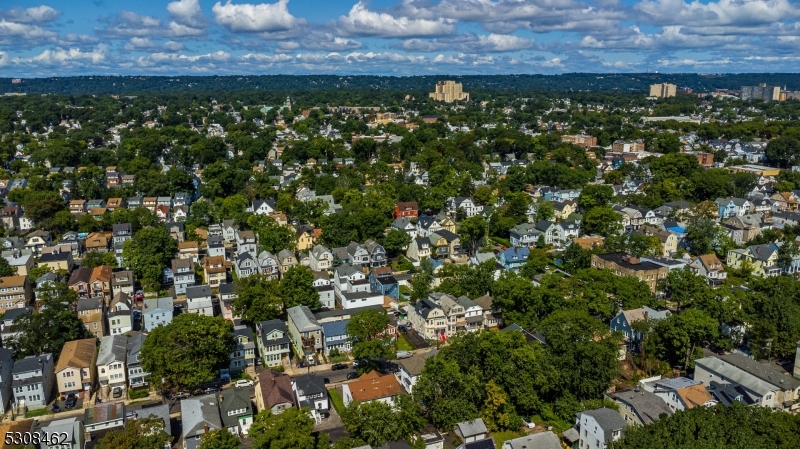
(703,236)
(683,287)
(601,220)
(376,423)
(367,331)
(679,337)
(498,412)
(6,269)
(545,210)
(395,241)
(48,329)
(148,252)
(219,439)
(189,351)
(141,433)
(95,259)
(291,429)
(257,299)
(595,195)
(471,231)
(421,280)
(783,151)
(272,236)
(296,288)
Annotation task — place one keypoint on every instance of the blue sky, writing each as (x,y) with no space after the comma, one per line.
(396,37)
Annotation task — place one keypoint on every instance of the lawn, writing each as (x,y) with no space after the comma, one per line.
(37,412)
(403,344)
(336,399)
(500,437)
(338,359)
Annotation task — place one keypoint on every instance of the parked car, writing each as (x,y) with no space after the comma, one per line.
(55,408)
(180,395)
(71,401)
(404,354)
(325,380)
(311,360)
(211,390)
(243,383)
(116,392)
(338,366)
(528,423)
(352,375)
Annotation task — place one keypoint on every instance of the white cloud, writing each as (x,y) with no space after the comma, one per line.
(259,17)
(173,46)
(319,41)
(3,58)
(61,57)
(470,43)
(361,21)
(36,14)
(187,12)
(25,35)
(140,43)
(730,14)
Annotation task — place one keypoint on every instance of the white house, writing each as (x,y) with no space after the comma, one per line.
(599,427)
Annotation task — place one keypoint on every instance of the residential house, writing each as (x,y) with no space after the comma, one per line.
(10,217)
(120,314)
(743,228)
(406,225)
(189,250)
(215,246)
(123,282)
(7,329)
(381,281)
(244,354)
(199,415)
(286,261)
(55,260)
(120,233)
(765,385)
(96,241)
(305,237)
(732,207)
(273,342)
(310,392)
(246,242)
(426,225)
(262,207)
(640,407)
(227,294)
(304,330)
(763,259)
(274,391)
(37,240)
(680,393)
(372,387)
(624,320)
(79,282)
(446,245)
(418,249)
(784,201)
(428,319)
(74,372)
(182,275)
(32,381)
(669,241)
(268,265)
(359,255)
(245,265)
(406,209)
(215,270)
(322,284)
(21,260)
(236,411)
(77,207)
(199,301)
(543,440)
(91,312)
(598,428)
(492,315)
(137,376)
(377,254)
(335,337)
(67,433)
(156,312)
(625,265)
(111,359)
(229,230)
(453,204)
(176,229)
(471,431)
(524,235)
(100,282)
(15,292)
(348,278)
(321,258)
(411,368)
(710,267)
(71,238)
(514,258)
(563,209)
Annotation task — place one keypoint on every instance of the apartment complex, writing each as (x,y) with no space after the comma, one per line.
(634,146)
(449,91)
(761,92)
(626,265)
(663,90)
(580,140)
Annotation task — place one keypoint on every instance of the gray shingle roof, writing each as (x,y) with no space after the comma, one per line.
(608,419)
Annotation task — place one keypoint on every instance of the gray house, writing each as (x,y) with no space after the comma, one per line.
(182,274)
(199,415)
(198,298)
(273,341)
(33,379)
(305,331)
(69,433)
(156,312)
(6,365)
(236,410)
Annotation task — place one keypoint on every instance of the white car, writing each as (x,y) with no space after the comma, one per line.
(528,423)
(243,383)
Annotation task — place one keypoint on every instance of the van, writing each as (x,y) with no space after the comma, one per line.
(311,360)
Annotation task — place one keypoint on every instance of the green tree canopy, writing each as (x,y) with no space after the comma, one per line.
(141,433)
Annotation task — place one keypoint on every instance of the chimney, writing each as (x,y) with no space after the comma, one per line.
(633,260)
(205,427)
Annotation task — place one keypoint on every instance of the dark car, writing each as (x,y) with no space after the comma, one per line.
(116,392)
(325,380)
(338,366)
(211,390)
(55,408)
(352,375)
(71,401)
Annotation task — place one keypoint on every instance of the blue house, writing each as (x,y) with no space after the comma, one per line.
(624,319)
(381,281)
(513,258)
(335,336)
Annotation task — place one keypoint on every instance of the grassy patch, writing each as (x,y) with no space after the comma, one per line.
(339,358)
(502,241)
(403,344)
(137,394)
(37,412)
(140,401)
(336,399)
(500,437)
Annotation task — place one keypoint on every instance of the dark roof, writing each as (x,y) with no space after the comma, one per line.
(608,419)
(12,314)
(227,289)
(55,256)
(30,363)
(310,384)
(234,399)
(80,275)
(647,405)
(90,303)
(198,291)
(487,443)
(619,259)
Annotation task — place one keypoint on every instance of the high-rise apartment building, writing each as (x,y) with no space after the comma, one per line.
(663,90)
(449,91)
(761,92)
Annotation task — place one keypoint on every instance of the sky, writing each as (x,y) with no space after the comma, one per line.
(395,37)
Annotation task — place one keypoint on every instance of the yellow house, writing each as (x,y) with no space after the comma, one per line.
(305,238)
(763,259)
(669,241)
(447,224)
(75,369)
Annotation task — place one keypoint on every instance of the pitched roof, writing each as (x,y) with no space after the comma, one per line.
(694,395)
(608,419)
(198,411)
(544,440)
(276,388)
(648,406)
(234,399)
(77,354)
(374,385)
(303,318)
(101,273)
(470,428)
(414,364)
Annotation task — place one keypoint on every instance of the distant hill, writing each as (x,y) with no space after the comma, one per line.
(564,82)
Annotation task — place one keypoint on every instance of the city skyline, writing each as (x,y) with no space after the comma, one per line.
(396,37)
